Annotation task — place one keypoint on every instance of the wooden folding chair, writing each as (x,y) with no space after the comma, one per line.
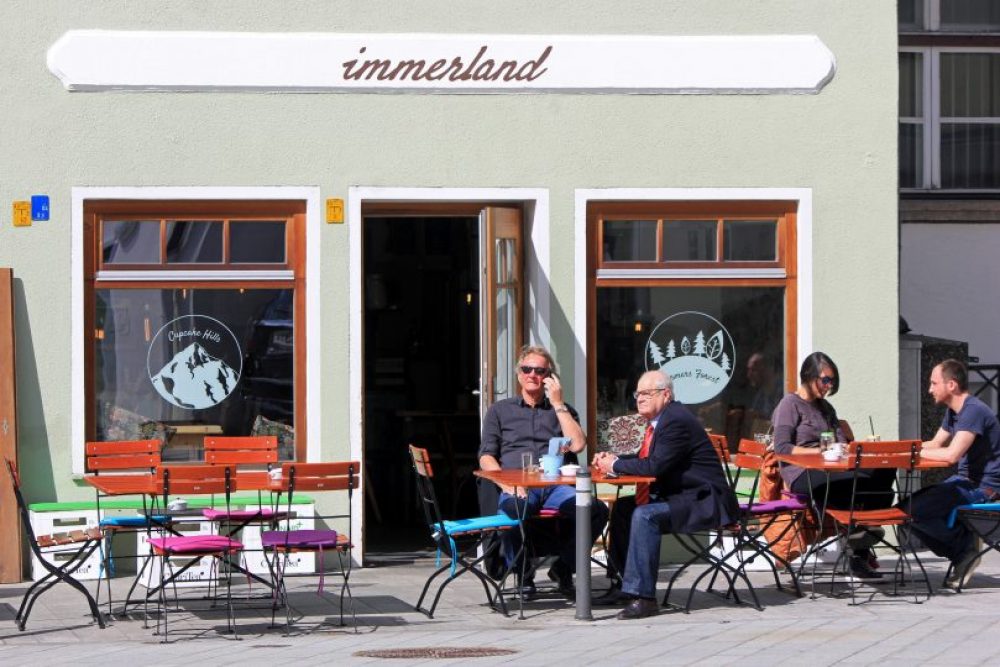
(900,455)
(447,534)
(198,480)
(123,458)
(74,548)
(340,476)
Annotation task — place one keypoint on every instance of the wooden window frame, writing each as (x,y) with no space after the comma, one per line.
(290,275)
(702,274)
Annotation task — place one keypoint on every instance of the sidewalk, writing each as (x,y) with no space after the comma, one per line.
(950,629)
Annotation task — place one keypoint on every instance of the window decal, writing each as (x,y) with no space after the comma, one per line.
(696,350)
(203,362)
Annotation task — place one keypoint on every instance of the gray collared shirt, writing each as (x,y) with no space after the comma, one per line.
(512,427)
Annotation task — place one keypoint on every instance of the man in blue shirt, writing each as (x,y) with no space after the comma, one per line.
(523,425)
(970,437)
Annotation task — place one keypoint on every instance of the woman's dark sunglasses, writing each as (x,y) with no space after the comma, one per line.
(537,370)
(825,380)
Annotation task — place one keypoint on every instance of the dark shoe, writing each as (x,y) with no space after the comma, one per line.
(528,590)
(613,597)
(963,568)
(561,575)
(861,570)
(639,608)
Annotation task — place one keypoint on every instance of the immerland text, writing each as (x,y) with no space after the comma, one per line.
(456,69)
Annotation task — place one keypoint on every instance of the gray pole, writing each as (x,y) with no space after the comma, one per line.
(584,540)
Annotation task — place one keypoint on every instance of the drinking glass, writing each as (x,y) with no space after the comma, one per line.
(825,440)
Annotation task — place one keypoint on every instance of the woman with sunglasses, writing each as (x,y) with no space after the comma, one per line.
(798,420)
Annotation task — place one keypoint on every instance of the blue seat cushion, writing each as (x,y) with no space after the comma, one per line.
(479,523)
(132,521)
(979,507)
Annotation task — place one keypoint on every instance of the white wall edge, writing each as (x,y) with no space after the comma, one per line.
(311,197)
(537,254)
(804,249)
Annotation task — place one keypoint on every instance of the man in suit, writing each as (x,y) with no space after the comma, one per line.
(690,492)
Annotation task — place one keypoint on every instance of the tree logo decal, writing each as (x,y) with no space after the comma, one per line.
(696,351)
(194,362)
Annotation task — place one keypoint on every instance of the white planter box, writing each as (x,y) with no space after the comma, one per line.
(64,521)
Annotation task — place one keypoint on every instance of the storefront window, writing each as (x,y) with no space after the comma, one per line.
(714,309)
(723,346)
(193,330)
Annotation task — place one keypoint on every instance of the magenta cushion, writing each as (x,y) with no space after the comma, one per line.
(299,538)
(195,544)
(215,515)
(774,506)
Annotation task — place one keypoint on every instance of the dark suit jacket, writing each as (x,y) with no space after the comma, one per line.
(688,472)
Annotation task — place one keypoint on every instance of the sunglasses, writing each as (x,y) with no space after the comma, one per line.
(537,370)
(825,380)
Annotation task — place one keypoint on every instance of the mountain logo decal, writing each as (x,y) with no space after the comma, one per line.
(696,351)
(203,362)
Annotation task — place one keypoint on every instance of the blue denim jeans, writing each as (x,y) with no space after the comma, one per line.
(649,523)
(561,498)
(930,509)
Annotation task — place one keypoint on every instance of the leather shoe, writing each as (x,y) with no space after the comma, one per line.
(563,578)
(610,598)
(639,608)
(528,590)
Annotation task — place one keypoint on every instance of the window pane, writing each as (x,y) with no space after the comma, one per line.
(911,155)
(257,242)
(177,364)
(970,155)
(970,15)
(190,242)
(629,240)
(723,346)
(750,240)
(911,15)
(970,85)
(911,85)
(689,240)
(130,241)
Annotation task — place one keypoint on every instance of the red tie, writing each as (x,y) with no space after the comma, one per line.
(642,489)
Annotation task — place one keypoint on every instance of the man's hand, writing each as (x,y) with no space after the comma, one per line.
(605,462)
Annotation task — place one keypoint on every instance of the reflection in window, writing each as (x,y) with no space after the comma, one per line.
(176,364)
(194,242)
(629,240)
(970,15)
(257,242)
(750,240)
(130,241)
(724,346)
(689,240)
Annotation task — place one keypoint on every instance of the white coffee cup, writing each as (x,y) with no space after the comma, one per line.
(275,474)
(831,455)
(177,505)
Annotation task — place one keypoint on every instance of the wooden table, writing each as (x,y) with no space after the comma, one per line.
(518,478)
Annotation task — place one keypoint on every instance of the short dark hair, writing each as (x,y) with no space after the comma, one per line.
(812,367)
(953,369)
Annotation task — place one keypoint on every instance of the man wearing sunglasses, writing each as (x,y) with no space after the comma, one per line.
(524,424)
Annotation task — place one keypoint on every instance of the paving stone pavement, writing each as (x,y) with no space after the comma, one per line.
(949,629)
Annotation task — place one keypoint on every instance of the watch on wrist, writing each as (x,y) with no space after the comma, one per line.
(561,408)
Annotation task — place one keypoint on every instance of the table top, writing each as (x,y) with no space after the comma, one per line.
(534,480)
(817,462)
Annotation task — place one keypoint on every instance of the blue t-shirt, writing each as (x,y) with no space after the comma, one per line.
(981,462)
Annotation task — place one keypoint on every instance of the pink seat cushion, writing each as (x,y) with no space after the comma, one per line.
(216,515)
(774,506)
(195,544)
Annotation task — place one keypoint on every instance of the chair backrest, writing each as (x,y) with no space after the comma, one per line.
(721,446)
(261,450)
(750,455)
(200,479)
(337,476)
(22,507)
(123,455)
(902,454)
(424,474)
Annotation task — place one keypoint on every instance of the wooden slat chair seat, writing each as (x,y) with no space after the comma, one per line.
(336,476)
(87,542)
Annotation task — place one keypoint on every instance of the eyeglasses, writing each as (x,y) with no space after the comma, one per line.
(825,380)
(540,371)
(648,393)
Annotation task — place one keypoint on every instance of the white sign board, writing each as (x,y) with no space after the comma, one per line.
(94,60)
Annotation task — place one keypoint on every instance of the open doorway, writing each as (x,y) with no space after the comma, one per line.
(421,367)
